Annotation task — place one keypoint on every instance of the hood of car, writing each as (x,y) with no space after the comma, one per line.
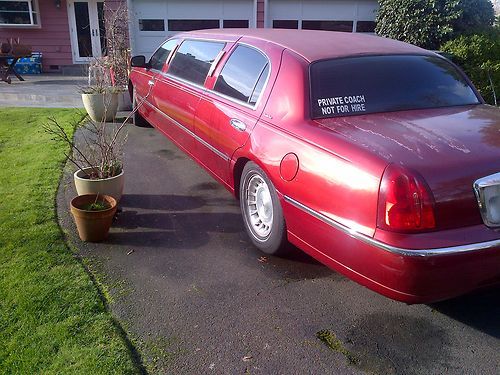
(449,147)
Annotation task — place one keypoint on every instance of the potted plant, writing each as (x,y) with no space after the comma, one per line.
(100,97)
(97,153)
(93,214)
(100,102)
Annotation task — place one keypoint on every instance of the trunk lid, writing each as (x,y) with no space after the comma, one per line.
(450,147)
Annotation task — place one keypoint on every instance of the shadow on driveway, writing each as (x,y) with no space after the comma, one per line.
(480,310)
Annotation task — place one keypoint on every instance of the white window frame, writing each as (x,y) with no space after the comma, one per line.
(31,4)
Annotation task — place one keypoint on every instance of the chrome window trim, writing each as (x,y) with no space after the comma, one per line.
(182,127)
(460,249)
(215,62)
(171,54)
(478,187)
(240,102)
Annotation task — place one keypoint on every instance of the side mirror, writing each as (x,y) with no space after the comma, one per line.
(139,62)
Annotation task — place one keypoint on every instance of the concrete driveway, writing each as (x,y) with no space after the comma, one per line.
(196,297)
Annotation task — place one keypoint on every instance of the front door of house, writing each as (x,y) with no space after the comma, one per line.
(87,29)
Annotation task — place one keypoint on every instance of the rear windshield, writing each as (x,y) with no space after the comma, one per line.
(369,84)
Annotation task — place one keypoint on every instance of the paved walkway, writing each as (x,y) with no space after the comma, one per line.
(43,90)
(197,298)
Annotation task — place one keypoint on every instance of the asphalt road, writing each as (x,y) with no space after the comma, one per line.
(197,298)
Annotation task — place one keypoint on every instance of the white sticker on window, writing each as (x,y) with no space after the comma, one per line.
(339,105)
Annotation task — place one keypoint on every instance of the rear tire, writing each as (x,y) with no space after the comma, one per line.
(261,210)
(137,119)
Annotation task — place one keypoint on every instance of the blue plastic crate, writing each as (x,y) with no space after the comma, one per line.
(28,68)
(29,65)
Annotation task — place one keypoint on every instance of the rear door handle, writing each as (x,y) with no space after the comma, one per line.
(151,82)
(238,124)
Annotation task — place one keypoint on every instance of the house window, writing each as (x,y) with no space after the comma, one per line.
(235,24)
(285,24)
(151,25)
(18,13)
(188,25)
(365,26)
(328,25)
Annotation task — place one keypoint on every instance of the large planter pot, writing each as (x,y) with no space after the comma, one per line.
(93,226)
(101,107)
(112,186)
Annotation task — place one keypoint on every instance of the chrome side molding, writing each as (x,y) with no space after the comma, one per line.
(393,249)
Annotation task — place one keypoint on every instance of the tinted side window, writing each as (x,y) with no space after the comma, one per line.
(193,59)
(160,56)
(239,77)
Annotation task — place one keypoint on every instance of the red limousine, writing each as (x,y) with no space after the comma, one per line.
(378,158)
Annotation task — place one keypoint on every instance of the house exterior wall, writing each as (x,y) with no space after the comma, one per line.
(51,38)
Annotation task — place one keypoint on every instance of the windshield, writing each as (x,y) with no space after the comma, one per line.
(369,84)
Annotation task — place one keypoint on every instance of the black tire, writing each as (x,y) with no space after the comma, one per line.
(259,203)
(137,119)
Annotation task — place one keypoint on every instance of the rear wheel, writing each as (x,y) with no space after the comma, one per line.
(261,209)
(137,118)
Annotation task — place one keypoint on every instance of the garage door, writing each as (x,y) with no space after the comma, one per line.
(154,20)
(350,16)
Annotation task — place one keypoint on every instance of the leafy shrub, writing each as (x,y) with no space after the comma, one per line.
(429,23)
(426,23)
(475,15)
(479,57)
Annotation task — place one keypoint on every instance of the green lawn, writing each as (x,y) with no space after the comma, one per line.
(52,318)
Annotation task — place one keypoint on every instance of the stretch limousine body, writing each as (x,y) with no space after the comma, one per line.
(374,156)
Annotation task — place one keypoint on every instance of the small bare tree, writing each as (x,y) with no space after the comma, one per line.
(117,43)
(100,151)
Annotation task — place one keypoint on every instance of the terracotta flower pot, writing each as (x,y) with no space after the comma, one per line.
(93,226)
(109,186)
(101,107)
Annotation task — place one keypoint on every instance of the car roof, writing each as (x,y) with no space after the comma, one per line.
(317,45)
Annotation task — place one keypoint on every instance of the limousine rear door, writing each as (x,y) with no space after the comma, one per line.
(232,106)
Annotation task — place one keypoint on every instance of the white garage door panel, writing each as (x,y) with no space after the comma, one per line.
(321,10)
(145,42)
(284,9)
(367,10)
(332,10)
(150,8)
(209,9)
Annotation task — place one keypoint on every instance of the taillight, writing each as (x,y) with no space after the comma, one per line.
(406,203)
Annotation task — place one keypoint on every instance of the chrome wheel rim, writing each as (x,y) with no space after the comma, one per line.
(259,206)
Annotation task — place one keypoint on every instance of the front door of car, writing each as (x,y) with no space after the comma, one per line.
(178,92)
(229,111)
(144,86)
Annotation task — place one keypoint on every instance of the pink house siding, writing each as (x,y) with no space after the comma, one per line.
(52,39)
(260,13)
